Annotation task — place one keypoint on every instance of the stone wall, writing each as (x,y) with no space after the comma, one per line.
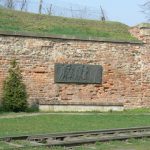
(126,75)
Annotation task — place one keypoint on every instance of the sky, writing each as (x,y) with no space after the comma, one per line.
(125,11)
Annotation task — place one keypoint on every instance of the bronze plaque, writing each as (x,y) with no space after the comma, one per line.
(78,73)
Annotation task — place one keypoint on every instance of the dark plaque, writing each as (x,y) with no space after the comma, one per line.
(78,73)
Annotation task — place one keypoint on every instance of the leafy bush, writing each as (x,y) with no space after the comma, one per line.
(14,90)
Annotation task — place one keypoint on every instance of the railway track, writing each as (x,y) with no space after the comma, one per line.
(73,138)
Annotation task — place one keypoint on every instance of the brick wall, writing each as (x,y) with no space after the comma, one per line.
(126,75)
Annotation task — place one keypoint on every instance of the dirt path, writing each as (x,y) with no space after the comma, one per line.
(19,115)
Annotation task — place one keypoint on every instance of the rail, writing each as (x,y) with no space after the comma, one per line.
(74,138)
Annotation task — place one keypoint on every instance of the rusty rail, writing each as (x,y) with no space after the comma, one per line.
(76,138)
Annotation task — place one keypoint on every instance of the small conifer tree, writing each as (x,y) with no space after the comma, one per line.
(14,90)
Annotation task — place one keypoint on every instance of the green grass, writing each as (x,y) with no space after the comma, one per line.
(131,144)
(147,25)
(52,123)
(15,21)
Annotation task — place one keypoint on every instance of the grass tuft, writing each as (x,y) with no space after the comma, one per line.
(16,21)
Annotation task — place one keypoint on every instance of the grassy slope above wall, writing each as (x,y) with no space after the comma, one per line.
(51,25)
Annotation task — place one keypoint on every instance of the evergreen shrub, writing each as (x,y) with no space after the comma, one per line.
(14,90)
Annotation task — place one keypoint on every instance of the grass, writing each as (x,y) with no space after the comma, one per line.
(12,124)
(16,21)
(131,144)
(51,123)
(147,25)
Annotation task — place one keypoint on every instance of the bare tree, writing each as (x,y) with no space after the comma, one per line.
(23,5)
(83,13)
(103,16)
(10,4)
(72,15)
(40,6)
(49,10)
(146,9)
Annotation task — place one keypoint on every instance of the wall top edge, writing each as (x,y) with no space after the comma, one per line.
(84,104)
(65,37)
